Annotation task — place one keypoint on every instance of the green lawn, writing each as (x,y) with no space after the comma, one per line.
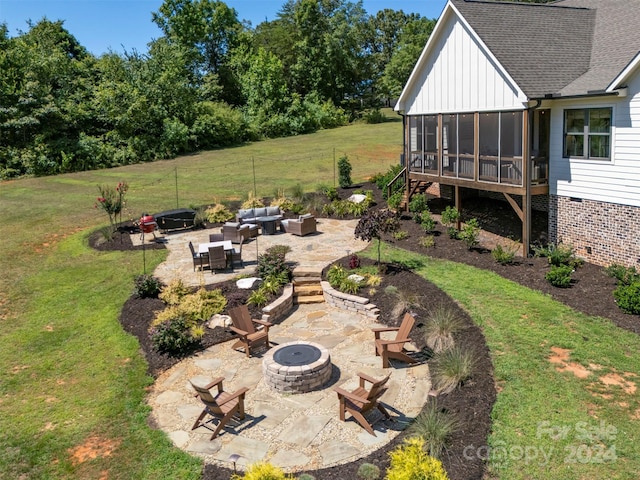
(72,383)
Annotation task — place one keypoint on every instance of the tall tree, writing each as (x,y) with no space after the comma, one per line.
(210,29)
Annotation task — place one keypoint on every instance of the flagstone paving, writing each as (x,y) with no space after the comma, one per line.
(295,432)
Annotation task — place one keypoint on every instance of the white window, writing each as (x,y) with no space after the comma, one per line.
(587,133)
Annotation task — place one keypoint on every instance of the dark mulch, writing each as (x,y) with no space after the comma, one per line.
(590,292)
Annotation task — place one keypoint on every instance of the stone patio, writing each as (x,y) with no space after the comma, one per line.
(295,432)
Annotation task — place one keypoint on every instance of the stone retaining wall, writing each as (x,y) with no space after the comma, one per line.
(346,301)
(281,307)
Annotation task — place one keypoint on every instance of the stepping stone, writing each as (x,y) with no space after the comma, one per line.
(179,438)
(190,412)
(273,415)
(289,458)
(173,377)
(249,450)
(168,397)
(204,445)
(304,431)
(334,451)
(209,364)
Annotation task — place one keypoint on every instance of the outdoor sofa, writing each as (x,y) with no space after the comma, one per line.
(251,215)
(304,225)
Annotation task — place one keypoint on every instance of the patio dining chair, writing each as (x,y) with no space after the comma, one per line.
(199,260)
(235,256)
(217,258)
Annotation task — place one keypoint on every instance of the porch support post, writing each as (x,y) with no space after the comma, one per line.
(458,205)
(527,117)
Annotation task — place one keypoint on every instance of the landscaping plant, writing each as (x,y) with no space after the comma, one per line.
(439,327)
(428,241)
(147,286)
(427,222)
(624,275)
(434,425)
(218,213)
(344,172)
(263,471)
(559,276)
(628,297)
(450,218)
(112,201)
(418,203)
(374,223)
(470,233)
(410,461)
(504,255)
(450,368)
(368,471)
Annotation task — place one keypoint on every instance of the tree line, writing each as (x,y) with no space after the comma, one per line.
(210,81)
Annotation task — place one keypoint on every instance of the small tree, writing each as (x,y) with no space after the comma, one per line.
(112,202)
(344,172)
(374,223)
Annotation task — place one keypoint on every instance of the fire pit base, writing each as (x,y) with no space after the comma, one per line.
(297,367)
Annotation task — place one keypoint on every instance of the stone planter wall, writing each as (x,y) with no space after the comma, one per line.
(346,301)
(281,307)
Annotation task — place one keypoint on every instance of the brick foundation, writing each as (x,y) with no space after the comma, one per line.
(601,233)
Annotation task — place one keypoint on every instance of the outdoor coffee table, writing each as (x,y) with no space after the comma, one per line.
(269,224)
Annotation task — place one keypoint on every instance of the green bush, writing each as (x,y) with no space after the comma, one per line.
(409,461)
(559,276)
(470,233)
(628,297)
(435,427)
(394,201)
(331,193)
(218,213)
(172,294)
(368,471)
(624,275)
(383,179)
(400,235)
(450,216)
(336,274)
(174,336)
(263,471)
(272,263)
(344,172)
(504,255)
(203,304)
(428,241)
(418,203)
(373,116)
(147,286)
(258,298)
(349,285)
(558,255)
(427,222)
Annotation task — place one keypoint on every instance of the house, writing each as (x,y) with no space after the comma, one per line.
(555,84)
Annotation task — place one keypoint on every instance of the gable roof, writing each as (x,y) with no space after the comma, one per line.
(564,48)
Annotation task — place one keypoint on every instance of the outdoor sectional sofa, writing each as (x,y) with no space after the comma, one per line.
(251,215)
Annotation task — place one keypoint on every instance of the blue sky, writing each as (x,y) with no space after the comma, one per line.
(101,25)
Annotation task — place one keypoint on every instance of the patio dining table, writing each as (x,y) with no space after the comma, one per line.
(226,244)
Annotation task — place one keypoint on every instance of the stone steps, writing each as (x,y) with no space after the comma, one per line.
(306,286)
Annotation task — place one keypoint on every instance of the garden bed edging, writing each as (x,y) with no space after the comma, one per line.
(346,301)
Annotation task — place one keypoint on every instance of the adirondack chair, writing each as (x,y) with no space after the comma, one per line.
(394,348)
(222,407)
(245,327)
(359,401)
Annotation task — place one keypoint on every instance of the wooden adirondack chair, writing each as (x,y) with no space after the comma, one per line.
(394,348)
(223,406)
(359,401)
(244,326)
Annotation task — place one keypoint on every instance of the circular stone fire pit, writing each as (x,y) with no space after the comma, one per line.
(297,367)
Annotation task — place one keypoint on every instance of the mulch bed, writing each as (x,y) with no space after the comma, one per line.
(590,293)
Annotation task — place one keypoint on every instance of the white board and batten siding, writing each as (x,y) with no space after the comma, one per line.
(614,181)
(456,74)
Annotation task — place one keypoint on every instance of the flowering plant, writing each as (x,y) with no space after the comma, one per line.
(112,201)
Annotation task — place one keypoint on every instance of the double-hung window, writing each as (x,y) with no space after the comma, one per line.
(587,133)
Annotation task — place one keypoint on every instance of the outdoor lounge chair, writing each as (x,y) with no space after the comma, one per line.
(199,260)
(304,225)
(217,258)
(244,326)
(235,256)
(222,407)
(236,232)
(359,401)
(394,348)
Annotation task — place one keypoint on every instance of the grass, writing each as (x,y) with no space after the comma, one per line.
(546,423)
(73,383)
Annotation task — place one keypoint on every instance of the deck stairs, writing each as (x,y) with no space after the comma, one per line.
(306,286)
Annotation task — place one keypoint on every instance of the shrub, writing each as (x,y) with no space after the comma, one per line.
(203,304)
(373,116)
(328,209)
(344,172)
(558,255)
(450,217)
(559,276)
(336,274)
(374,223)
(263,471)
(470,233)
(174,336)
(368,471)
(624,275)
(450,368)
(172,294)
(400,234)
(272,263)
(405,302)
(418,203)
(330,192)
(354,261)
(279,250)
(341,208)
(199,218)
(504,255)
(147,286)
(252,202)
(427,242)
(349,285)
(628,297)
(372,279)
(434,426)
(306,476)
(409,461)
(394,201)
(439,328)
(427,222)
(383,179)
(218,213)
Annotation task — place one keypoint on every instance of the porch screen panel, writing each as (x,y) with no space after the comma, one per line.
(450,145)
(466,147)
(489,146)
(415,144)
(511,147)
(431,143)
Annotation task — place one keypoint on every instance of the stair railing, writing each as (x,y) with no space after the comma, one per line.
(401,174)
